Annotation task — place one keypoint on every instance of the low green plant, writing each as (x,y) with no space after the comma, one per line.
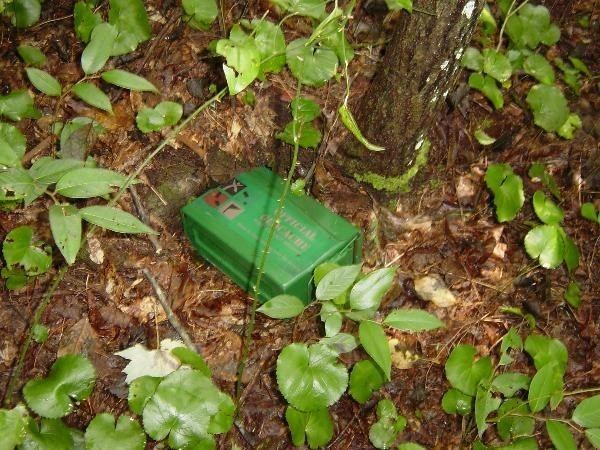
(25,257)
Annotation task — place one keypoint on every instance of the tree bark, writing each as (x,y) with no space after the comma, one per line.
(420,66)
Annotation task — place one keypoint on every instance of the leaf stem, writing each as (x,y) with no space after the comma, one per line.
(582,391)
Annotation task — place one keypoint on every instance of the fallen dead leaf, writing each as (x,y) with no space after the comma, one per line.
(433,289)
(80,338)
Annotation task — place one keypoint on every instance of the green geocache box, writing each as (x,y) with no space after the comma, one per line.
(228,225)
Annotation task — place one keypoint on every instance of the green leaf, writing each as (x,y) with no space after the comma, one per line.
(485,404)
(472,59)
(531,26)
(323,269)
(571,252)
(51,435)
(310,378)
(593,435)
(538,172)
(560,435)
(545,243)
(539,68)
(114,219)
(47,170)
(336,282)
(588,210)
(141,391)
(341,342)
(580,66)
(18,105)
(200,14)
(282,307)
(395,5)
(128,80)
(92,95)
(546,210)
(162,115)
(26,12)
(545,383)
(87,182)
(487,21)
(39,333)
(12,426)
(44,82)
(243,59)
(331,34)
(131,21)
(455,402)
(507,188)
(510,340)
(488,87)
(20,248)
(32,56)
(17,184)
(545,351)
(192,359)
(571,125)
(71,378)
(483,138)
(370,290)
(374,341)
(12,146)
(513,421)
(306,134)
(314,426)
(549,106)
(463,372)
(383,433)
(573,294)
(188,408)
(305,110)
(412,320)
(496,65)
(366,377)
(102,434)
(333,324)
(350,123)
(270,42)
(309,8)
(85,20)
(99,49)
(509,383)
(65,223)
(587,413)
(311,64)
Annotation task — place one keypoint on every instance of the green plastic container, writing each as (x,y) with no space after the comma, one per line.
(228,226)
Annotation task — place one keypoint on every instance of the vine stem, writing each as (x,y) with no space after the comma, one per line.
(509,14)
(582,391)
(16,374)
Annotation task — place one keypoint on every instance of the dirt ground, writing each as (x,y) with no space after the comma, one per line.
(445,226)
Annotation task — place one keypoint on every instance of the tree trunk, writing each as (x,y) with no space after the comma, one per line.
(420,66)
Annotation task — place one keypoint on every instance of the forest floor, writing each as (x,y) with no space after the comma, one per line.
(445,226)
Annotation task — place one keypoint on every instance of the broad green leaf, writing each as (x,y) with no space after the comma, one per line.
(114,219)
(546,210)
(310,378)
(472,59)
(496,65)
(270,42)
(192,359)
(85,20)
(141,391)
(350,123)
(509,383)
(309,8)
(485,404)
(593,435)
(545,243)
(128,80)
(580,65)
(39,333)
(487,21)
(188,409)
(87,182)
(282,307)
(71,379)
(12,426)
(65,223)
(455,402)
(52,434)
(571,252)
(374,341)
(162,115)
(560,435)
(305,110)
(588,210)
(336,282)
(488,87)
(25,12)
(310,64)
(463,372)
(44,82)
(512,420)
(315,427)
(306,134)
(366,377)
(483,138)
(341,342)
(12,146)
(573,294)
(587,413)
(31,55)
(99,49)
(18,105)
(538,172)
(331,34)
(92,95)
(510,340)
(507,188)
(131,21)
(538,67)
(395,5)
(571,125)
(370,290)
(102,434)
(545,383)
(545,350)
(200,14)
(20,248)
(243,59)
(17,184)
(383,433)
(333,324)
(47,170)
(531,26)
(549,106)
(412,320)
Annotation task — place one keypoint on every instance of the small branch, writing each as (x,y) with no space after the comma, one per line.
(39,148)
(174,321)
(144,216)
(582,391)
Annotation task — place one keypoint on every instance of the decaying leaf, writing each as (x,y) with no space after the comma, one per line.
(155,363)
(433,289)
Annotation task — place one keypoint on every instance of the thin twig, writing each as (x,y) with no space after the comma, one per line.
(144,216)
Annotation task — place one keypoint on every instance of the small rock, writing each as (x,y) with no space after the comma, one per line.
(433,289)
(95,250)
